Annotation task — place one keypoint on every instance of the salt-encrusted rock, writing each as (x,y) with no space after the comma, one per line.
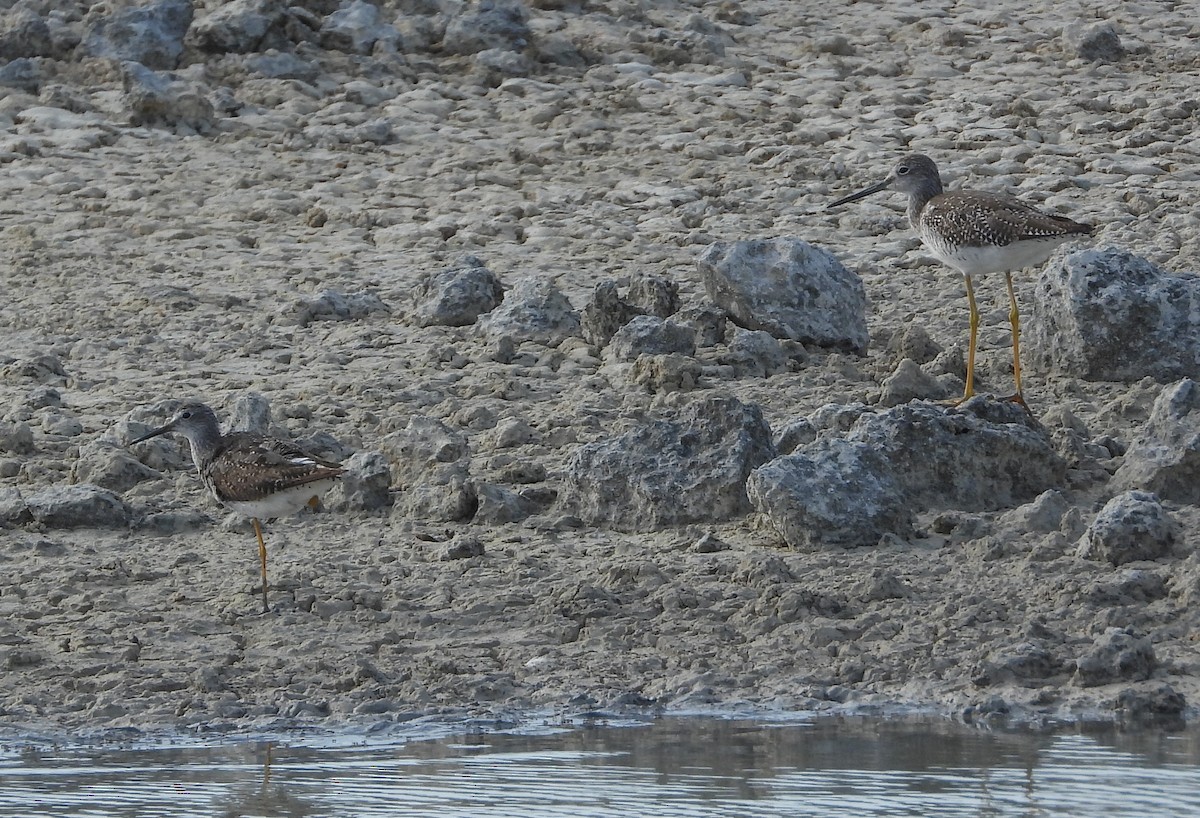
(331,305)
(1027,663)
(111,466)
(78,506)
(458,295)
(608,310)
(708,322)
(24,34)
(498,24)
(13,508)
(1158,703)
(650,335)
(251,412)
(1129,586)
(666,373)
(150,34)
(1109,315)
(499,505)
(16,438)
(1097,41)
(461,547)
(22,73)
(1165,456)
(365,486)
(909,382)
(756,354)
(1116,656)
(159,99)
(1131,526)
(836,494)
(1043,514)
(533,310)
(981,456)
(688,467)
(355,28)
(429,463)
(241,26)
(867,475)
(789,288)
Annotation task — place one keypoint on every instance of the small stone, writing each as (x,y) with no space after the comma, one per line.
(1097,42)
(1131,526)
(460,548)
(1116,656)
(458,295)
(78,506)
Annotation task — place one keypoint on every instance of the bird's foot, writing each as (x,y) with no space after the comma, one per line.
(1019,399)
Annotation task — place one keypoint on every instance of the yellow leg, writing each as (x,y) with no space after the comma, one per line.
(972,340)
(1014,318)
(262,561)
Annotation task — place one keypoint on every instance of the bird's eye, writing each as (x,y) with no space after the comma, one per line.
(185,415)
(902,170)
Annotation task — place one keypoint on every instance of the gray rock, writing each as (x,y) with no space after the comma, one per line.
(499,505)
(608,310)
(689,467)
(458,295)
(1165,456)
(909,382)
(22,73)
(366,485)
(461,547)
(1109,315)
(150,34)
(241,26)
(1160,704)
(355,28)
(1028,663)
(789,288)
(666,373)
(16,438)
(650,335)
(708,322)
(13,508)
(1097,42)
(1043,515)
(1116,656)
(533,310)
(487,24)
(331,305)
(84,505)
(850,490)
(110,466)
(282,66)
(154,98)
(1131,526)
(756,354)
(1130,586)
(981,456)
(251,412)
(24,34)
(839,493)
(429,464)
(794,434)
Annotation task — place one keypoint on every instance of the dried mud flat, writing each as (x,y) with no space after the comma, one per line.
(153,253)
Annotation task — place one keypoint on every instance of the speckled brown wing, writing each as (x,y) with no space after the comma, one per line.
(974,219)
(249,467)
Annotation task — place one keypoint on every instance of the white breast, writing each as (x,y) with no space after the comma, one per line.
(992,258)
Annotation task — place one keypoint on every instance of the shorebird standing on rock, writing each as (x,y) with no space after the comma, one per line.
(976,233)
(258,477)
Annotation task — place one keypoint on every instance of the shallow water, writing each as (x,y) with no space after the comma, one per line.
(672,766)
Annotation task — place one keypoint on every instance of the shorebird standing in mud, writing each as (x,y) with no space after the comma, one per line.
(976,233)
(256,476)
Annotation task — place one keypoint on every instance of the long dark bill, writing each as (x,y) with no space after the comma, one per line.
(854,197)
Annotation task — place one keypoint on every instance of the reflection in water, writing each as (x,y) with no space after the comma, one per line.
(675,766)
